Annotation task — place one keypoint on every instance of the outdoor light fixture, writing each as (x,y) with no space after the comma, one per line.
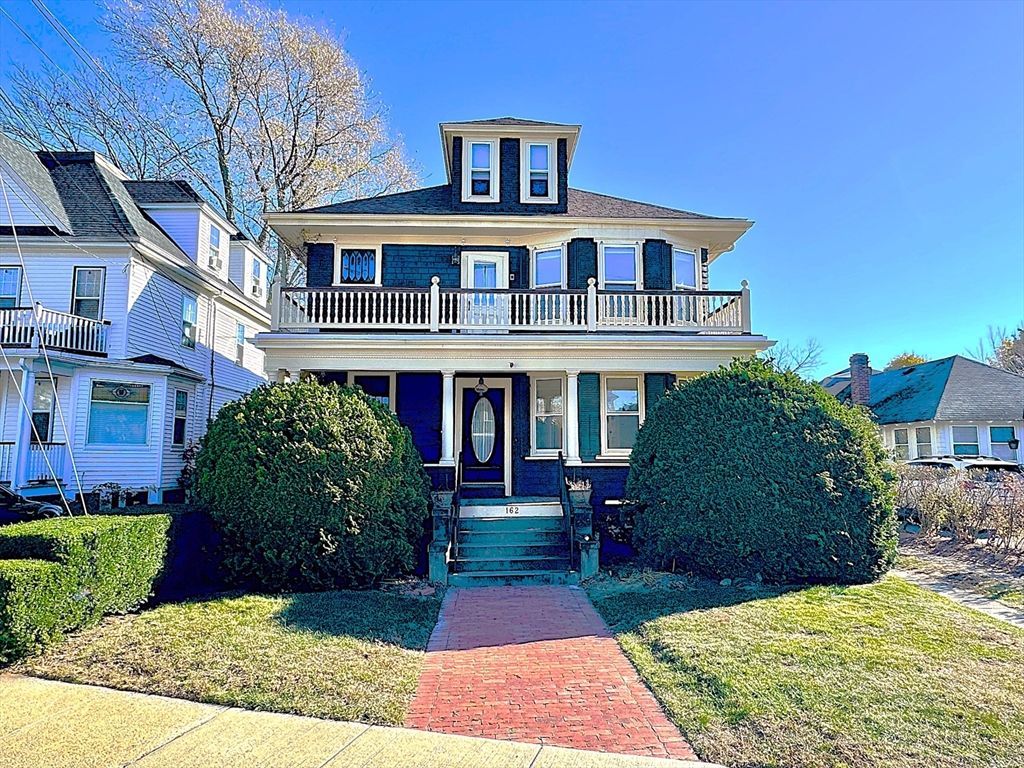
(480,388)
(1013,444)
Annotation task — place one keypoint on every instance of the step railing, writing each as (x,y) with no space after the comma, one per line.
(456,504)
(28,328)
(567,511)
(503,310)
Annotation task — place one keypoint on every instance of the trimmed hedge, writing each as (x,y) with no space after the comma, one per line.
(749,471)
(313,487)
(64,574)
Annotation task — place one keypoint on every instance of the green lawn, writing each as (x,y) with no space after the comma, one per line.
(885,674)
(339,655)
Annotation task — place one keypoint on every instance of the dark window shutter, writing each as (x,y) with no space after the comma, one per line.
(657,265)
(656,385)
(319,264)
(704,269)
(590,415)
(582,255)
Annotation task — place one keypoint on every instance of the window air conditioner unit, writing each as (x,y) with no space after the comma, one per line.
(257,291)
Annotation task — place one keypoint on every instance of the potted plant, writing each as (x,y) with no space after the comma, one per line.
(580,489)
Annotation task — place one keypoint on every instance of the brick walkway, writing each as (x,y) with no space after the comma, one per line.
(537,664)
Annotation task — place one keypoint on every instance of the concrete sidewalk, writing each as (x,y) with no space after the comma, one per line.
(45,724)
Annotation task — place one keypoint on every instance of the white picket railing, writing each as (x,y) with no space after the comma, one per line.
(38,468)
(377,308)
(7,463)
(27,328)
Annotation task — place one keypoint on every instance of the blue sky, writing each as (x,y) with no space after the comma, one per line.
(879,147)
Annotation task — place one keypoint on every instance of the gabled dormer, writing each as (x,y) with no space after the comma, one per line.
(509,165)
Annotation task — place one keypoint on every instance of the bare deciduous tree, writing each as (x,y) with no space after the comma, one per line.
(1001,349)
(259,111)
(803,359)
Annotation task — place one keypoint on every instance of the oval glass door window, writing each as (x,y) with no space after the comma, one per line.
(482,430)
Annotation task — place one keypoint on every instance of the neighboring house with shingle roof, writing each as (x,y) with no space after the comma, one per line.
(144,300)
(952,406)
(507,318)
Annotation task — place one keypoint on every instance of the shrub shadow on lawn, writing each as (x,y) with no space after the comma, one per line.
(369,616)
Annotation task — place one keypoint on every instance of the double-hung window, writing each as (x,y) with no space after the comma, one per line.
(1000,438)
(189,321)
(257,278)
(215,262)
(537,174)
(548,415)
(42,411)
(923,438)
(480,171)
(240,344)
(901,444)
(965,441)
(180,417)
(622,409)
(10,287)
(620,267)
(118,413)
(87,292)
(684,269)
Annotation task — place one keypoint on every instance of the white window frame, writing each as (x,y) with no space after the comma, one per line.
(638,257)
(534,450)
(350,380)
(607,452)
(175,417)
(533,266)
(918,443)
(74,290)
(185,300)
(215,261)
(17,292)
(953,443)
(676,284)
(377,249)
(469,257)
(992,443)
(149,413)
(896,445)
(467,171)
(257,282)
(240,345)
(44,380)
(524,171)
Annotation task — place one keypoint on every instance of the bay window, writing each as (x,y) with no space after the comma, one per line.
(620,268)
(548,416)
(621,407)
(118,413)
(684,269)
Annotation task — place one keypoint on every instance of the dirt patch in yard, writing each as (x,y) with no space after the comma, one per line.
(978,569)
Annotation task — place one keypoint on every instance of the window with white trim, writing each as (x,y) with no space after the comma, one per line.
(480,172)
(215,261)
(42,410)
(189,321)
(537,173)
(548,416)
(965,441)
(118,413)
(684,269)
(357,266)
(87,292)
(548,268)
(257,278)
(620,267)
(240,344)
(923,439)
(1000,438)
(622,409)
(180,417)
(10,287)
(901,444)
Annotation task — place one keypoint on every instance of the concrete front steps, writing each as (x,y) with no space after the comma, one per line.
(509,542)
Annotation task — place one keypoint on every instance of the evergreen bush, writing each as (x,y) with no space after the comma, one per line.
(312,487)
(749,471)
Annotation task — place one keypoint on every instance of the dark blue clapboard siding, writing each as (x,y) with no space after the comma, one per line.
(319,264)
(418,406)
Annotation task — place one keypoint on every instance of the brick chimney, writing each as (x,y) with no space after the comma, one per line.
(860,379)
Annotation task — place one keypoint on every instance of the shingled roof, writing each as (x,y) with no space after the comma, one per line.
(511,121)
(27,167)
(437,201)
(949,389)
(150,192)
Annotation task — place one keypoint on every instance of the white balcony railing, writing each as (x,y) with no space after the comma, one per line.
(45,462)
(27,328)
(376,308)
(7,462)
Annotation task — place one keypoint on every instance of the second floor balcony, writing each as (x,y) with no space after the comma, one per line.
(38,328)
(376,308)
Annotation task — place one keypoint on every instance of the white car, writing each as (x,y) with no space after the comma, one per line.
(988,463)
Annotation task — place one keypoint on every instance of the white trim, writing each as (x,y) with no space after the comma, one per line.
(494,170)
(174,416)
(376,247)
(676,285)
(21,279)
(500,257)
(638,256)
(89,381)
(74,289)
(464,382)
(524,171)
(350,381)
(564,264)
(607,452)
(534,450)
(953,443)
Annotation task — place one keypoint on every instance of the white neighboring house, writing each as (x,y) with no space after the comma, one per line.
(127,316)
(953,406)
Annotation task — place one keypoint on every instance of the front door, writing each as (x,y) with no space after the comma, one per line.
(483,436)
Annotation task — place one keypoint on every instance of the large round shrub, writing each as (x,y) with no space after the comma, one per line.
(750,471)
(313,487)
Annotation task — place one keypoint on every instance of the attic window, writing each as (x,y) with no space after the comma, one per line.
(480,182)
(538,185)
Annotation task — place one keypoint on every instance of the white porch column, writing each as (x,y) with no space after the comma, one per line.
(572,417)
(19,476)
(448,419)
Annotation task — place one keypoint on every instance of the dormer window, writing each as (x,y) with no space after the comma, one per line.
(480,182)
(538,183)
(215,262)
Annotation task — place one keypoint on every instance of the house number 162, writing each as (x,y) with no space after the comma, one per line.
(511,510)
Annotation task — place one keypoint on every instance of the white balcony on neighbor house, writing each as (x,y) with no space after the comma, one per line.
(39,328)
(369,308)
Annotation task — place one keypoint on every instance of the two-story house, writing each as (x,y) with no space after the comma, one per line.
(519,327)
(127,313)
